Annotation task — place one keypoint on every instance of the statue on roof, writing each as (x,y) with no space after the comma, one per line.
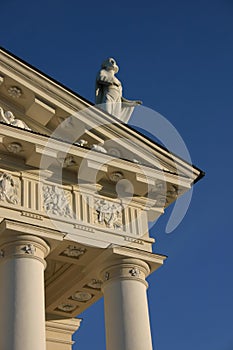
(109,92)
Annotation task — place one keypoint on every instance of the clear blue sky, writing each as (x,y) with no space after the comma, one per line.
(177,57)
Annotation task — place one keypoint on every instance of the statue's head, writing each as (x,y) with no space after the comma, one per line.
(110,64)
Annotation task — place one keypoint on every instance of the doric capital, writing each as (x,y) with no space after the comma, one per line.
(125,269)
(23,246)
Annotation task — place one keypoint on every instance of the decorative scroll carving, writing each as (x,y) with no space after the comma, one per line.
(55,201)
(9,118)
(8,188)
(73,252)
(109,213)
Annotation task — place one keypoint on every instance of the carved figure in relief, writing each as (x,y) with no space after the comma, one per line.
(109,213)
(8,190)
(109,92)
(55,201)
(9,118)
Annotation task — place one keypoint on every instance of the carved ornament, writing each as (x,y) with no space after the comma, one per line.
(65,307)
(73,251)
(134,272)
(14,147)
(55,201)
(109,213)
(8,188)
(81,297)
(14,91)
(29,249)
(95,284)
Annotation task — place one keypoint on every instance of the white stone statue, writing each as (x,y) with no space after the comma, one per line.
(9,118)
(109,92)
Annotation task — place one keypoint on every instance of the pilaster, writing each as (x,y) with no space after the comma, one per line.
(59,333)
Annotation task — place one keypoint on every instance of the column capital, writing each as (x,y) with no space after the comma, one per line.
(23,246)
(125,269)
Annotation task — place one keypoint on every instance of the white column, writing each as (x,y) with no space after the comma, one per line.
(126,308)
(22,310)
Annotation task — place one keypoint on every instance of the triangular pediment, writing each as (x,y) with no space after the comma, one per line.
(58,117)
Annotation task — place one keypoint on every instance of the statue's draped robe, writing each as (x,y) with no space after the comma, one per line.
(109,95)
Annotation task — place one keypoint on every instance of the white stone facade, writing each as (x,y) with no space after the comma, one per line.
(60,211)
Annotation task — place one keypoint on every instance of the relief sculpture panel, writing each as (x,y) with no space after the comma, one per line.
(8,188)
(56,201)
(109,213)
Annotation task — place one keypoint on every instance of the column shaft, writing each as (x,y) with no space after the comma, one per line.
(22,317)
(126,308)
